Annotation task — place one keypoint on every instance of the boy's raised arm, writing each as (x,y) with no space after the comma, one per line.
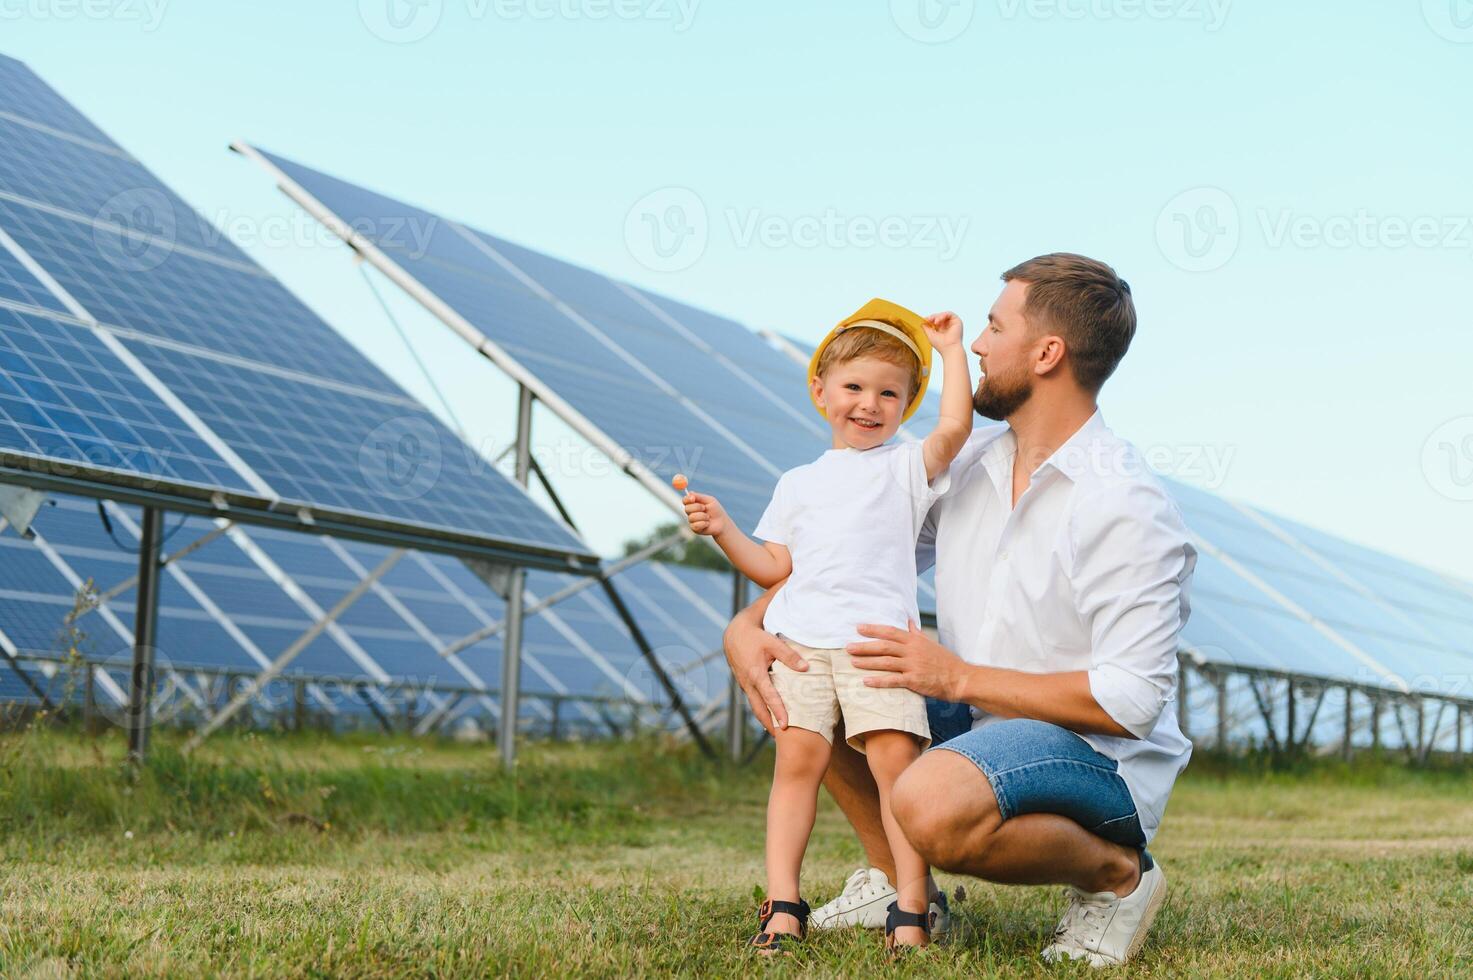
(945,333)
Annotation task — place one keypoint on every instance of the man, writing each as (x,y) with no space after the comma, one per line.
(1062,572)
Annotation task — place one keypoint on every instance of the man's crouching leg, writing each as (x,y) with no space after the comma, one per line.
(947,809)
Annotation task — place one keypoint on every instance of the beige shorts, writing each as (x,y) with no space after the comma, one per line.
(832,685)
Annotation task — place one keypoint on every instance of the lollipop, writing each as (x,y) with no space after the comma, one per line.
(680,482)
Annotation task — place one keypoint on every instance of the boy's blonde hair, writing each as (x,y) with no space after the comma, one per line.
(858,342)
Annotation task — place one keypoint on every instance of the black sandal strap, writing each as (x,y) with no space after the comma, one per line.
(765,940)
(770,907)
(895,919)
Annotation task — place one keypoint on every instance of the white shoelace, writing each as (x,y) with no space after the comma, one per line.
(857,889)
(1084,921)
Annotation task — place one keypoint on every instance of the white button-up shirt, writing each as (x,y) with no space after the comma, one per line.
(1089,572)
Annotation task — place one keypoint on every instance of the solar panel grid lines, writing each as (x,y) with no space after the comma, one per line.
(1391,677)
(804,419)
(485,619)
(405,614)
(314,612)
(91,235)
(1339,574)
(65,394)
(30,98)
(178,573)
(606,401)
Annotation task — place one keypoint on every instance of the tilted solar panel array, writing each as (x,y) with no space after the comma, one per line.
(1274,594)
(237,602)
(137,342)
(680,389)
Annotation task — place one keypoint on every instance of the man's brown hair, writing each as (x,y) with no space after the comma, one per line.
(857,342)
(1085,302)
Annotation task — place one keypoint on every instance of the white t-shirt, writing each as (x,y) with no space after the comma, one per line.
(850,520)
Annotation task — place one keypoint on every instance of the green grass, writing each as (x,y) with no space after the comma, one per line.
(313,856)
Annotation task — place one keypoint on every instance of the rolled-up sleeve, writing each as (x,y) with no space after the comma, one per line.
(1132,568)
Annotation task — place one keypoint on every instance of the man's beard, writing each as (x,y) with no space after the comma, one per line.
(998,397)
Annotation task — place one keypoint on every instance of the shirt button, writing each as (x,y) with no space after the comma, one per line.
(1004,556)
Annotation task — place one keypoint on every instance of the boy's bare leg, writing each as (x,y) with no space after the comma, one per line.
(852,786)
(802,757)
(889,753)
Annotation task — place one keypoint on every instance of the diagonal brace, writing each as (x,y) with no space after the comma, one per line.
(254,688)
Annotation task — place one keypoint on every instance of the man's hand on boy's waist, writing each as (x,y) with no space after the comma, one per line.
(750,652)
(909,659)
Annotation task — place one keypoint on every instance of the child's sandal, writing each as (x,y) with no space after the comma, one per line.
(895,919)
(777,942)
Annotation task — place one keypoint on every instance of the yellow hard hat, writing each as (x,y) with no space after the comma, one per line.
(904,325)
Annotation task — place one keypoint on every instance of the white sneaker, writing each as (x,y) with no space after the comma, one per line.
(1104,930)
(862,903)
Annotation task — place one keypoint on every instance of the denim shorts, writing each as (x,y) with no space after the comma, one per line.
(1035,767)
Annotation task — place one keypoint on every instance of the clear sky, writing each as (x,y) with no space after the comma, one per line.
(1286,186)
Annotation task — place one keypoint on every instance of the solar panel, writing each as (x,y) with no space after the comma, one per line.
(621,358)
(221,610)
(1268,583)
(139,342)
(64,395)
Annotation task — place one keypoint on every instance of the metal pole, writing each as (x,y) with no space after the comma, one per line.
(1183,719)
(1222,712)
(145,633)
(1289,739)
(736,717)
(1457,743)
(1347,749)
(299,705)
(1376,722)
(511,656)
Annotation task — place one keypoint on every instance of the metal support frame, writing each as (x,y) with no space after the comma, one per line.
(736,718)
(145,634)
(616,599)
(1221,682)
(511,657)
(1183,691)
(587,582)
(101,598)
(259,682)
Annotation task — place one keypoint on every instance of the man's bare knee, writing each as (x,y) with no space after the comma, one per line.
(946,809)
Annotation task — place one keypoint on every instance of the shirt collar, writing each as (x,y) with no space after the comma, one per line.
(1072,459)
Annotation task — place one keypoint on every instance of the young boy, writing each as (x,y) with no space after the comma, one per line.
(844,528)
